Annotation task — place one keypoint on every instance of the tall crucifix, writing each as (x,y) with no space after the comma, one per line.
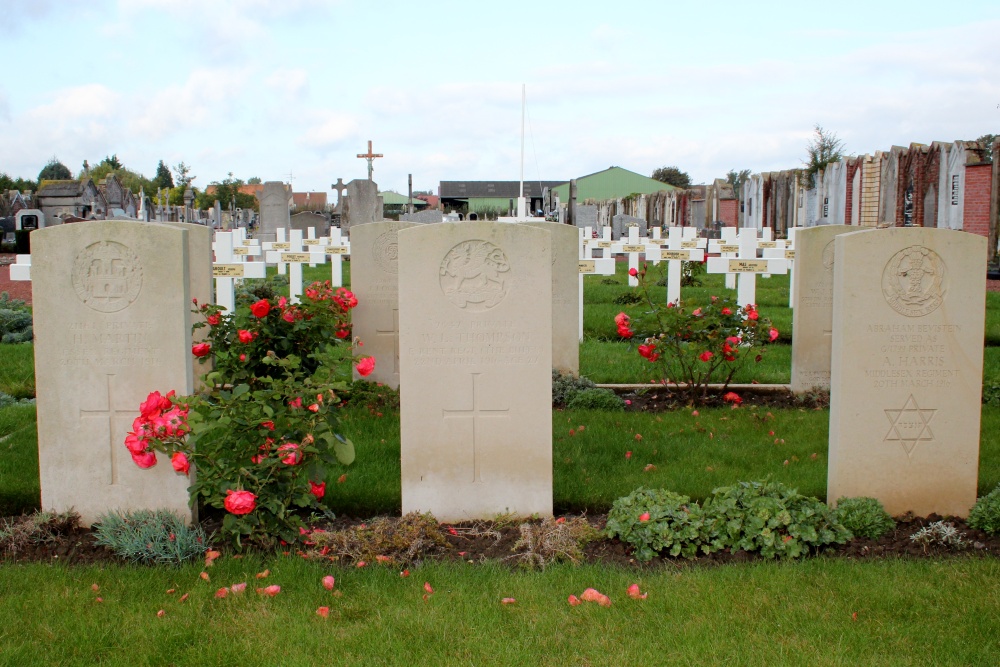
(370,156)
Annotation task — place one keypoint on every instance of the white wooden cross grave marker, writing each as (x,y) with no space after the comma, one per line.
(295,257)
(244,248)
(727,246)
(602,266)
(680,247)
(786,250)
(280,243)
(336,247)
(633,247)
(747,267)
(227,269)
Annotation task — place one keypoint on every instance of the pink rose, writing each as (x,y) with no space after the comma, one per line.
(644,517)
(706,355)
(180,462)
(261,308)
(145,459)
(240,502)
(245,336)
(318,490)
(293,457)
(135,444)
(727,311)
(365,366)
(329,582)
(214,319)
(773,334)
(622,320)
(633,272)
(201,349)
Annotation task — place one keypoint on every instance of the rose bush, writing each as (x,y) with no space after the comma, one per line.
(264,432)
(692,345)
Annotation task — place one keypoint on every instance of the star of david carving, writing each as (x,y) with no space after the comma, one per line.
(909,425)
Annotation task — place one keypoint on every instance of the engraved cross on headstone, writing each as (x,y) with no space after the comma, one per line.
(370,156)
(110,414)
(476,412)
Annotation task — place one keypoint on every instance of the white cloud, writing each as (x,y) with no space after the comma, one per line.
(328,130)
(292,83)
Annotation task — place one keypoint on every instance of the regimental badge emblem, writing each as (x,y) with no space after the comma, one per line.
(909,425)
(107,276)
(475,275)
(828,256)
(913,282)
(385,252)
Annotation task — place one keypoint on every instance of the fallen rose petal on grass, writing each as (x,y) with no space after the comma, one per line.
(574,601)
(382,559)
(428,588)
(210,557)
(204,575)
(238,588)
(271,590)
(161,614)
(361,563)
(95,587)
(222,592)
(635,593)
(98,599)
(329,582)
(171,591)
(404,573)
(323,611)
(649,467)
(185,597)
(508,601)
(263,575)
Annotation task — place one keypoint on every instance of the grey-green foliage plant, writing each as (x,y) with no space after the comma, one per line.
(564,386)
(985,514)
(7,399)
(864,517)
(15,320)
(674,524)
(772,519)
(595,399)
(152,537)
(940,533)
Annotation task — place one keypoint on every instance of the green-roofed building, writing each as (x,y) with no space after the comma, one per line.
(612,183)
(390,198)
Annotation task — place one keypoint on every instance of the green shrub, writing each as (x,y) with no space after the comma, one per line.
(770,518)
(595,399)
(150,537)
(627,299)
(7,399)
(564,386)
(15,320)
(864,517)
(657,520)
(985,514)
(375,396)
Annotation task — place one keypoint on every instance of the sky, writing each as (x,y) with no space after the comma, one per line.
(292,90)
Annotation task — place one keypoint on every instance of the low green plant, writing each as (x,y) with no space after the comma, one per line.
(38,527)
(595,399)
(15,320)
(985,514)
(691,345)
(564,386)
(150,537)
(7,399)
(940,533)
(864,517)
(374,396)
(657,520)
(771,519)
(552,540)
(627,299)
(691,273)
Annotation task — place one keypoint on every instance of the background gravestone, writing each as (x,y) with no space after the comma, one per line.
(374,280)
(423,217)
(586,216)
(475,325)
(565,296)
(273,211)
(907,368)
(303,221)
(812,312)
(620,224)
(112,320)
(361,205)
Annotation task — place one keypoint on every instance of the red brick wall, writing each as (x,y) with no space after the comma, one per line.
(976,218)
(729,212)
(852,168)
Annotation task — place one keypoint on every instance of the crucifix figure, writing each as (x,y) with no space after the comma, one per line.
(110,414)
(476,412)
(370,156)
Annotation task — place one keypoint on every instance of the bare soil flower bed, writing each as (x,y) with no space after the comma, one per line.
(482,541)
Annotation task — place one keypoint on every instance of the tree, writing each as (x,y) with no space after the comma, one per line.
(182,171)
(986,141)
(226,192)
(54,171)
(737,179)
(8,183)
(824,148)
(163,178)
(113,162)
(673,176)
(132,180)
(254,180)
